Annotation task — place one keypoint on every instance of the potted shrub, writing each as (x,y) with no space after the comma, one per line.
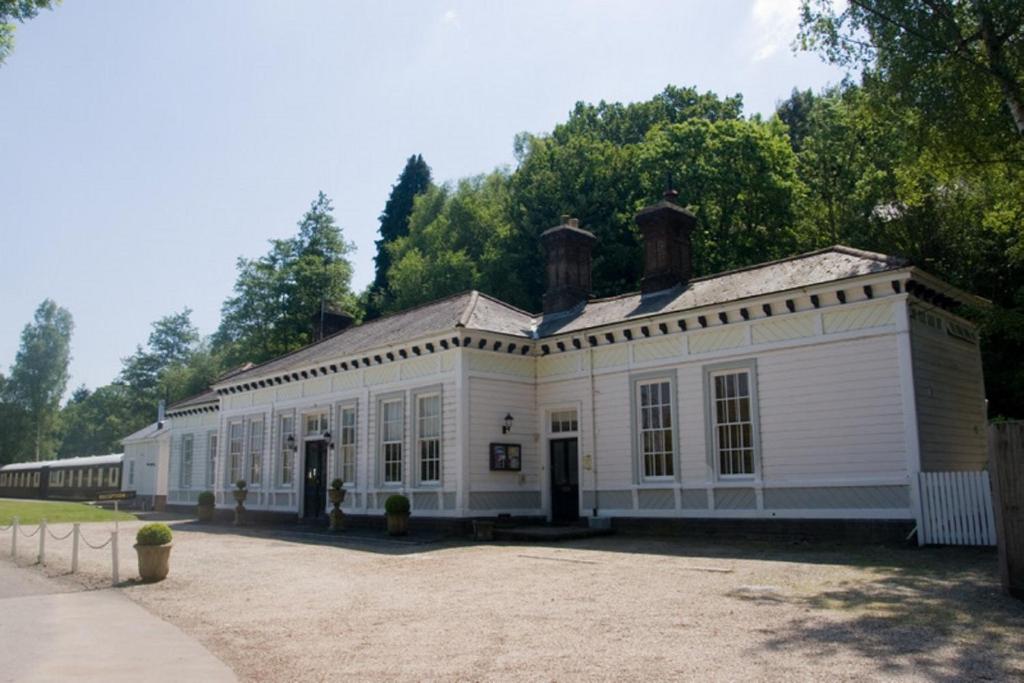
(204,508)
(396,508)
(337,494)
(240,493)
(153,545)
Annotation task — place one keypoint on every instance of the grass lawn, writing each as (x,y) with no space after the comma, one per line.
(54,512)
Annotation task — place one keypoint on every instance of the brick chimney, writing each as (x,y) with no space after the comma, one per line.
(666,228)
(334,320)
(568,269)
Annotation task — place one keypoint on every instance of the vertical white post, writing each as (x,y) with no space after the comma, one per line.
(113,552)
(41,559)
(117,528)
(14,540)
(76,530)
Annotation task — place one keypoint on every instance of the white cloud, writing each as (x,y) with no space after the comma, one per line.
(773,26)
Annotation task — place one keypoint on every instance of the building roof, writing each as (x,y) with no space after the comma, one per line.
(805,270)
(477,311)
(202,398)
(111,459)
(468,310)
(147,432)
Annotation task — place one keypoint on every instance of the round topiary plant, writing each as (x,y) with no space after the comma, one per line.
(396,505)
(337,483)
(154,534)
(206,498)
(240,484)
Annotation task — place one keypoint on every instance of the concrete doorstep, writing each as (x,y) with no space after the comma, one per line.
(49,635)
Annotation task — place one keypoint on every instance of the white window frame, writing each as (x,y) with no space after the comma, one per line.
(286,456)
(420,441)
(212,445)
(711,424)
(234,464)
(387,479)
(186,455)
(346,440)
(255,432)
(131,472)
(669,458)
(568,420)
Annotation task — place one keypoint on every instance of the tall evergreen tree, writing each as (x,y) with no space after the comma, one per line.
(394,224)
(40,373)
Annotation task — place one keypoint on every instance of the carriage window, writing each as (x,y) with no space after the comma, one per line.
(113,477)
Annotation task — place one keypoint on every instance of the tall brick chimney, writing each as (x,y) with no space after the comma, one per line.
(666,228)
(568,249)
(329,322)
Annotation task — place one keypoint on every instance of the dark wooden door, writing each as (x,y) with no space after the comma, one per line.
(315,485)
(565,481)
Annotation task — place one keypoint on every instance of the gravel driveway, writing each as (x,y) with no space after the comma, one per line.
(286,607)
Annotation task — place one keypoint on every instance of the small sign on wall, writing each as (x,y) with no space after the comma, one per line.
(506,456)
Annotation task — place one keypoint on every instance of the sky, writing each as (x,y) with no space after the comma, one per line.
(145,146)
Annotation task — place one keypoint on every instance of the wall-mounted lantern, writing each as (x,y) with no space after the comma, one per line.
(507,427)
(327,438)
(290,443)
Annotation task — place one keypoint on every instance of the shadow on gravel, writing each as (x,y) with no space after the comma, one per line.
(908,613)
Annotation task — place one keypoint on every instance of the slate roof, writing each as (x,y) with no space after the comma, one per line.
(477,311)
(805,270)
(150,430)
(468,310)
(202,398)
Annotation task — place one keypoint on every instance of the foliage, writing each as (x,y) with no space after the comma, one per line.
(397,505)
(20,11)
(155,533)
(39,377)
(278,295)
(241,484)
(54,512)
(206,499)
(394,223)
(94,422)
(337,483)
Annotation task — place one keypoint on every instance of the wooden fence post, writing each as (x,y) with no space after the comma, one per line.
(74,548)
(42,543)
(1006,462)
(14,540)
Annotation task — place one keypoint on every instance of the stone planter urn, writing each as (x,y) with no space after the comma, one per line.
(240,493)
(336,494)
(153,546)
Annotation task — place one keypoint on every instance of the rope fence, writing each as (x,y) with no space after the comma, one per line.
(76,537)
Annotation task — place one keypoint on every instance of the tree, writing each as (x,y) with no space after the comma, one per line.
(394,224)
(14,440)
(94,422)
(277,295)
(40,372)
(20,11)
(172,343)
(960,61)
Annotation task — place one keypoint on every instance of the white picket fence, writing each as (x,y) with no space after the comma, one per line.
(956,509)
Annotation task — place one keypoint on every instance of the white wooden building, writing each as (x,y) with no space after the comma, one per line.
(147,458)
(811,388)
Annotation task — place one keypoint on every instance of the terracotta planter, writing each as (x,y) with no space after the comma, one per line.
(398,524)
(204,513)
(336,496)
(154,561)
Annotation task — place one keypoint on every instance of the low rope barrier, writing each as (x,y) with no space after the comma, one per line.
(76,534)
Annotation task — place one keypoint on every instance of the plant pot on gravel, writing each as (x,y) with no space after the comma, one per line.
(240,493)
(336,494)
(153,546)
(205,505)
(396,510)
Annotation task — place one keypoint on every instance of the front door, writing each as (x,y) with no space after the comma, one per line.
(565,481)
(314,498)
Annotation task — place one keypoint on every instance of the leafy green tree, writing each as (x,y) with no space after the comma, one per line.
(277,295)
(959,61)
(394,224)
(20,11)
(14,440)
(40,374)
(171,344)
(94,422)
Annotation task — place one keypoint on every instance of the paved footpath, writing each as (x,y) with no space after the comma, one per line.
(53,632)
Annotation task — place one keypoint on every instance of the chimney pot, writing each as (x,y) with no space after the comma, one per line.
(568,248)
(666,229)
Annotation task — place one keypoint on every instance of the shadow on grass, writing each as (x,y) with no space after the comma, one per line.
(943,618)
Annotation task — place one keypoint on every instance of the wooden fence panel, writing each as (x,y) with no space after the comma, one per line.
(1006,460)
(956,508)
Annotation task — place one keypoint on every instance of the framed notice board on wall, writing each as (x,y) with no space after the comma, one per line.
(506,456)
